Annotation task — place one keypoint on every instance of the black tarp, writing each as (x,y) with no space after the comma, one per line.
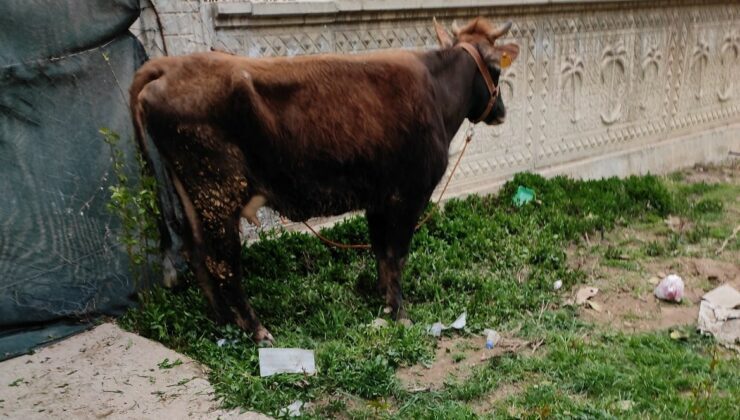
(65,68)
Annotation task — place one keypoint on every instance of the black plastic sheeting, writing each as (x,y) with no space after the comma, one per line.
(65,69)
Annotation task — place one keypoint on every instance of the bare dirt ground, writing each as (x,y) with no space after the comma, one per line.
(108,373)
(455,358)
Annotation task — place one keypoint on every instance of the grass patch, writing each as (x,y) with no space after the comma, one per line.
(481,255)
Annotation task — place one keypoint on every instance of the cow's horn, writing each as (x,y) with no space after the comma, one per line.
(455,28)
(500,31)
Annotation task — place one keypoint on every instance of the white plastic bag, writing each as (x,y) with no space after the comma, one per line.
(670,288)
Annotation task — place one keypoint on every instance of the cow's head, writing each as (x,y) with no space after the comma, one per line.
(483,35)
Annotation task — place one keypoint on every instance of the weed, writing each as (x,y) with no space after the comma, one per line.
(166,364)
(134,200)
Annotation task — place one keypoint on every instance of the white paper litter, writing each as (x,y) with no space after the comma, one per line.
(437,328)
(719,315)
(222,342)
(460,321)
(273,361)
(670,288)
(293,410)
(557,285)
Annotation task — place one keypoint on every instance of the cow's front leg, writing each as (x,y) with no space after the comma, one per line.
(390,235)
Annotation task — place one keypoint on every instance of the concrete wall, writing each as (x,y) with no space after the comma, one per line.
(600,88)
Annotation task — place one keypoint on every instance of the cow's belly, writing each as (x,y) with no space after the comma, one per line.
(300,201)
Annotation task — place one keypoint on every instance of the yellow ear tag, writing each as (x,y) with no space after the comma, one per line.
(505,60)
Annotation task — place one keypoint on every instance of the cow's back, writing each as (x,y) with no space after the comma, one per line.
(319,135)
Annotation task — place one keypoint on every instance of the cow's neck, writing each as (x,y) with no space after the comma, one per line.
(454,72)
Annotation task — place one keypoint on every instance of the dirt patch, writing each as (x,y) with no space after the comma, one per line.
(631,306)
(712,174)
(108,373)
(455,359)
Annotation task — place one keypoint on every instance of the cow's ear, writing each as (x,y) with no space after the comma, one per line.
(507,53)
(442,36)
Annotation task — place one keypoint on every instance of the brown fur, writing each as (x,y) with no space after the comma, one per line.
(315,136)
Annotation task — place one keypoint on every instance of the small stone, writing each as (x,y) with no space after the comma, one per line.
(379,323)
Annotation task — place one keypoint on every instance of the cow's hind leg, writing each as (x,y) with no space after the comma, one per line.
(215,260)
(223,262)
(390,234)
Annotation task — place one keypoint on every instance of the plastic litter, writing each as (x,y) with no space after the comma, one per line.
(523,196)
(460,321)
(492,338)
(437,328)
(293,410)
(719,315)
(557,285)
(222,342)
(670,288)
(274,361)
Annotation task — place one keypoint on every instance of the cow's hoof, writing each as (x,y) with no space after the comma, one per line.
(405,322)
(263,338)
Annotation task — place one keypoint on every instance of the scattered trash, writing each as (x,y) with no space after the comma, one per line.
(557,285)
(379,323)
(719,315)
(293,410)
(460,321)
(670,288)
(679,335)
(585,293)
(523,196)
(492,338)
(273,361)
(222,342)
(437,328)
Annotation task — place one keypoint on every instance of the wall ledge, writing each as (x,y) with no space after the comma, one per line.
(305,8)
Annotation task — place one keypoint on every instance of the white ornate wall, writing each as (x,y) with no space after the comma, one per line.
(600,88)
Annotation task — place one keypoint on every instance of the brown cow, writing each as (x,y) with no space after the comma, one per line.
(313,136)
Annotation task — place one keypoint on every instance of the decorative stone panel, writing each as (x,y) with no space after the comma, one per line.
(594,78)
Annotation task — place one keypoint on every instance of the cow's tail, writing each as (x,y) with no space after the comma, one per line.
(146,74)
(168,223)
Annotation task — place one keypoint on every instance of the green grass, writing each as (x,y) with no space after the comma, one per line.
(481,255)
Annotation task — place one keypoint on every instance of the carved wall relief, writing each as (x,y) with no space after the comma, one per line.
(729,54)
(572,72)
(650,68)
(614,81)
(699,63)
